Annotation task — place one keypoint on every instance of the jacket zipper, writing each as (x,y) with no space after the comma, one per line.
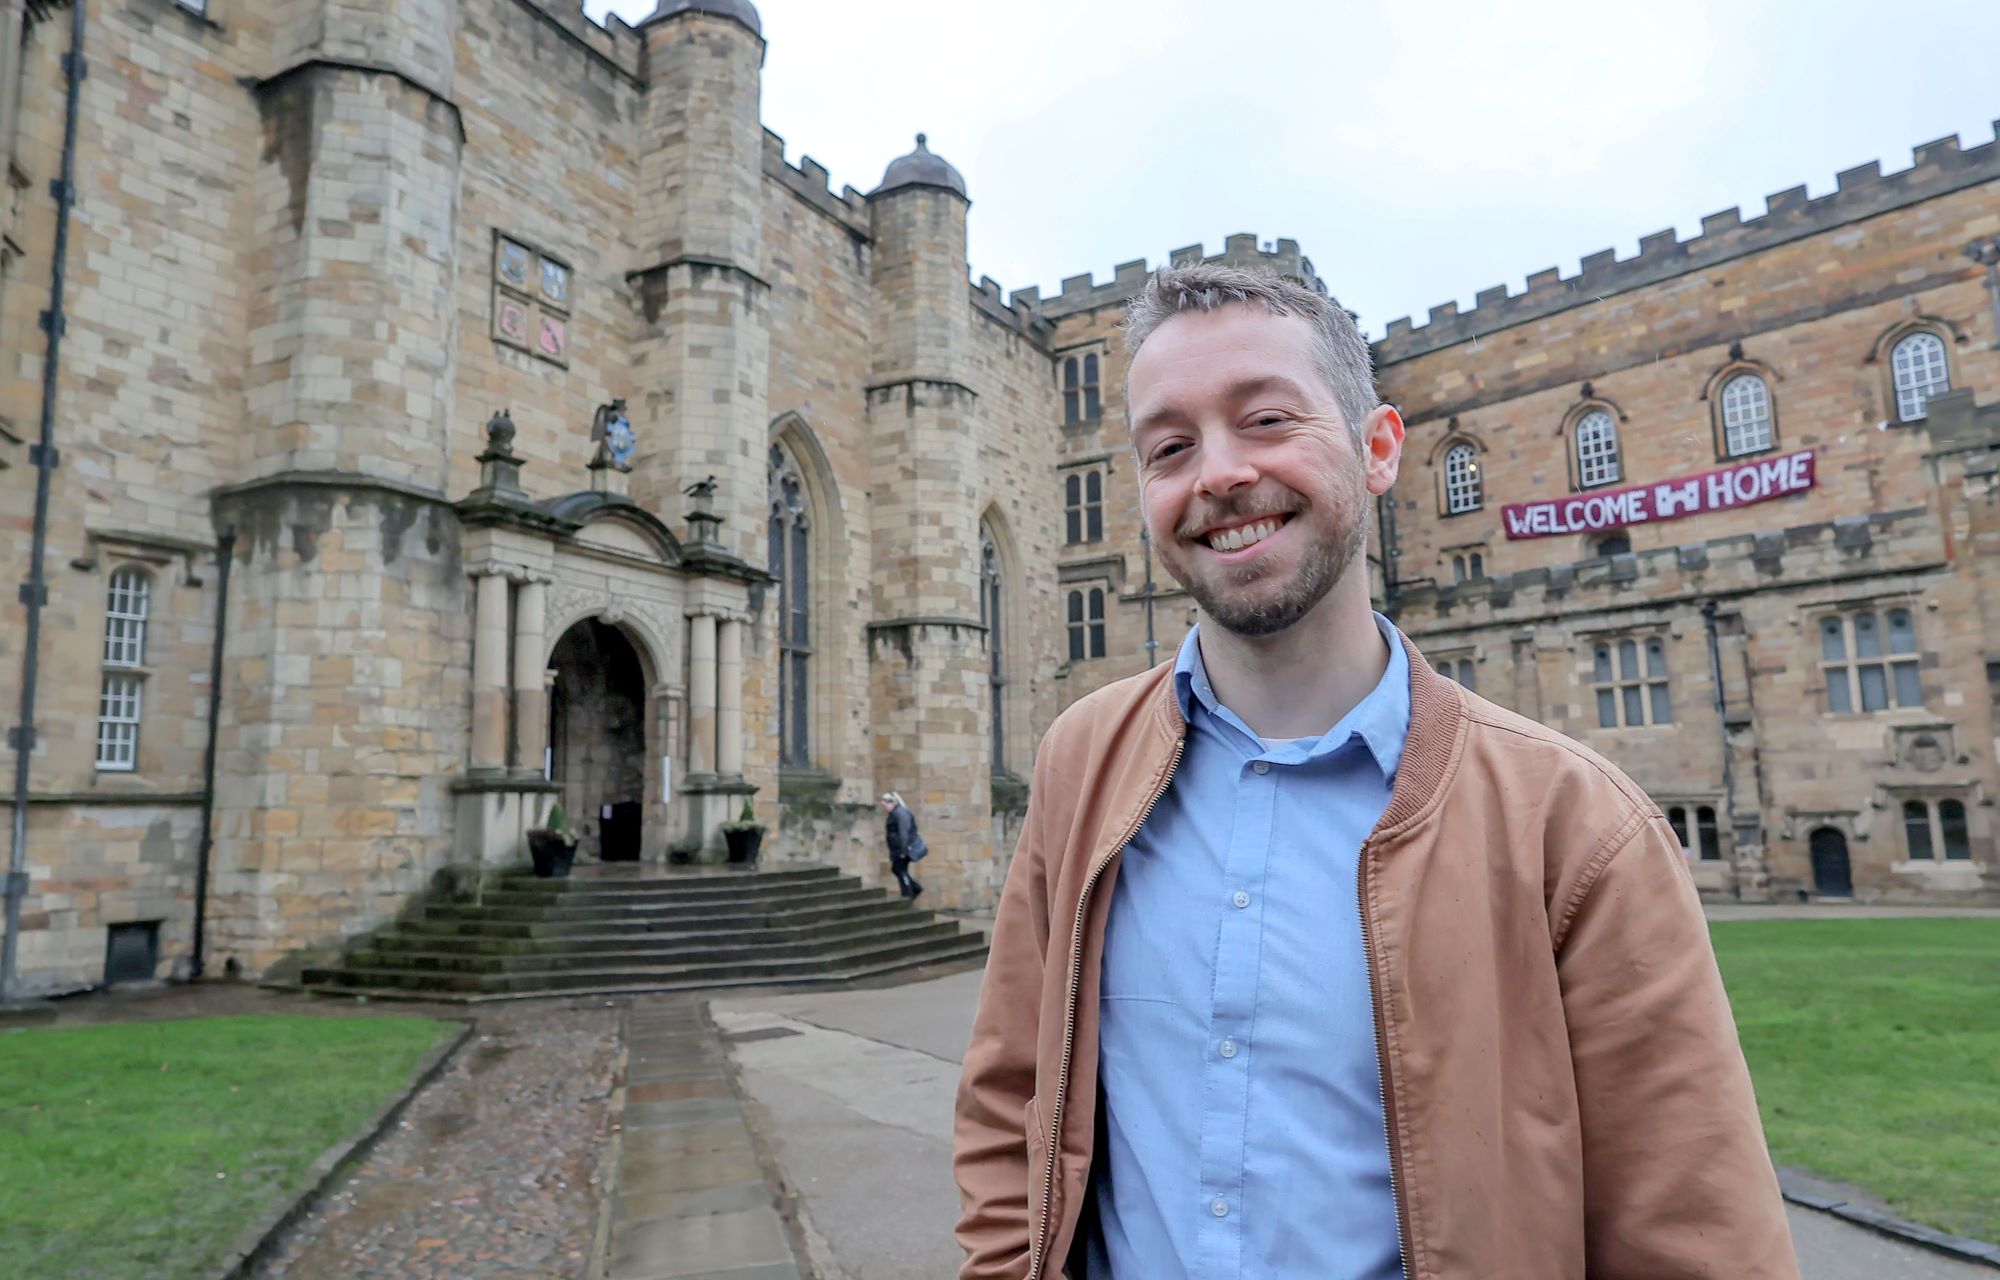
(1381,1060)
(1035,1257)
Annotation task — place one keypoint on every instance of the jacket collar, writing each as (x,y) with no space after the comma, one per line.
(1430,753)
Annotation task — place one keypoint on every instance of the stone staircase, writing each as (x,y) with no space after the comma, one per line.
(620,928)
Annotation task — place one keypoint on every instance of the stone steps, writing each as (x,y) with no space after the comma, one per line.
(623,930)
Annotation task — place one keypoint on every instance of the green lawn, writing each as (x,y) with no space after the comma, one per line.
(142,1150)
(1875,1046)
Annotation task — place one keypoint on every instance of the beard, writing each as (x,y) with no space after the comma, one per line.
(1231,595)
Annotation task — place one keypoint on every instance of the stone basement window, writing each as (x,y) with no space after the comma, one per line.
(1631,693)
(1707,837)
(1081,399)
(1918,367)
(127,605)
(1083,506)
(1869,661)
(1932,825)
(1086,624)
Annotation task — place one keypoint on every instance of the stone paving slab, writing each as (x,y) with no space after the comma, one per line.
(691,1199)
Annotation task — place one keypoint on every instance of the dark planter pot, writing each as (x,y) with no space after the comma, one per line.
(743,845)
(553,853)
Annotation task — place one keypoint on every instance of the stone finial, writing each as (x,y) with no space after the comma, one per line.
(499,466)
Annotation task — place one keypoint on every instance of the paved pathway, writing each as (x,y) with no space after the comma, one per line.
(691,1200)
(859,1088)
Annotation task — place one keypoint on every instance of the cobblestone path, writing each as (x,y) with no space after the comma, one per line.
(491,1172)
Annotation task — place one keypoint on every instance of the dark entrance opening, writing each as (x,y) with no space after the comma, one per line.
(131,952)
(1832,877)
(597,737)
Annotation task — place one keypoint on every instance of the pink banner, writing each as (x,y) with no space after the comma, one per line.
(1737,486)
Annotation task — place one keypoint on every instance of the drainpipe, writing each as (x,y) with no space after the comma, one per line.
(34,593)
(225,554)
(1721,721)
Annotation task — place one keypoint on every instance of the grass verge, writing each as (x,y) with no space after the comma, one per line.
(142,1150)
(1873,1045)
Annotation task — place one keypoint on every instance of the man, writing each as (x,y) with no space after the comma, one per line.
(1310,963)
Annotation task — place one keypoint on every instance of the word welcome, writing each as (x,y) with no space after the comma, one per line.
(1737,486)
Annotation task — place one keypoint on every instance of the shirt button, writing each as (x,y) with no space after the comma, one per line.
(1241,899)
(1228,1048)
(1262,766)
(1219,1207)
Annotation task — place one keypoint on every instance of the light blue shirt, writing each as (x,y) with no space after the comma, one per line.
(1243,1130)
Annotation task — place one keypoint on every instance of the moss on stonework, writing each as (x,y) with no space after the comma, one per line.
(1010,794)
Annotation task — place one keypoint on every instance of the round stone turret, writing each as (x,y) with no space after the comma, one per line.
(739,10)
(921,168)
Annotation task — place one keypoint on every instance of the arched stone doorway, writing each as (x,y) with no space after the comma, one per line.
(1832,876)
(597,738)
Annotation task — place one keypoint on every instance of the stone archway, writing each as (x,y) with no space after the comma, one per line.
(598,730)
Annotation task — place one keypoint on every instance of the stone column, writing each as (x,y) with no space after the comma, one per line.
(701,695)
(729,699)
(531,708)
(489,675)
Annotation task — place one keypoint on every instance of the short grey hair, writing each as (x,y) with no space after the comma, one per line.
(1340,353)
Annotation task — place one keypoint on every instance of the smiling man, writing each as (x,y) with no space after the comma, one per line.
(1311,963)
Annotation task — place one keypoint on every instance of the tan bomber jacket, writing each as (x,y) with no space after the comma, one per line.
(1565,1094)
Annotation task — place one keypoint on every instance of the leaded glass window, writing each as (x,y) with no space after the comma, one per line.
(789,559)
(1870,661)
(991,615)
(1630,676)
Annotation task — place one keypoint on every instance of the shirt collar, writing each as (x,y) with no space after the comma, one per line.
(1381,720)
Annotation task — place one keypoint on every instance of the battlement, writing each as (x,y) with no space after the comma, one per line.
(1939,168)
(810,183)
(612,40)
(1082,293)
(1022,313)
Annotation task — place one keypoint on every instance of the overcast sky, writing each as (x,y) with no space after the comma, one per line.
(1418,152)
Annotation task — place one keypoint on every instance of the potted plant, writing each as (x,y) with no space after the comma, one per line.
(551,845)
(744,836)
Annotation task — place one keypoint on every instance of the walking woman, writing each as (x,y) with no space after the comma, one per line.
(905,845)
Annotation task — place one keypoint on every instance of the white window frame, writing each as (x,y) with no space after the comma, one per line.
(1599,460)
(128,607)
(1919,368)
(1631,690)
(1462,490)
(1746,416)
(1846,675)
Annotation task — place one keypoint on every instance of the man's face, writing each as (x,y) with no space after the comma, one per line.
(1254,491)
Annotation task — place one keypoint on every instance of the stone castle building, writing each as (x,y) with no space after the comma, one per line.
(483,395)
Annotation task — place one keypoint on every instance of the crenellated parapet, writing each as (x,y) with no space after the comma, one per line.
(612,41)
(1083,293)
(1939,168)
(810,183)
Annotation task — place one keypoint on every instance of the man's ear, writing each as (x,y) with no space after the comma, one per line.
(1382,447)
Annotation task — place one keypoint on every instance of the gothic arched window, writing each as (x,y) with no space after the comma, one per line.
(1461,480)
(790,562)
(1597,458)
(991,599)
(1746,415)
(1920,371)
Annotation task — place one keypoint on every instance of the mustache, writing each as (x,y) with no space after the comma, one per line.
(1232,512)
